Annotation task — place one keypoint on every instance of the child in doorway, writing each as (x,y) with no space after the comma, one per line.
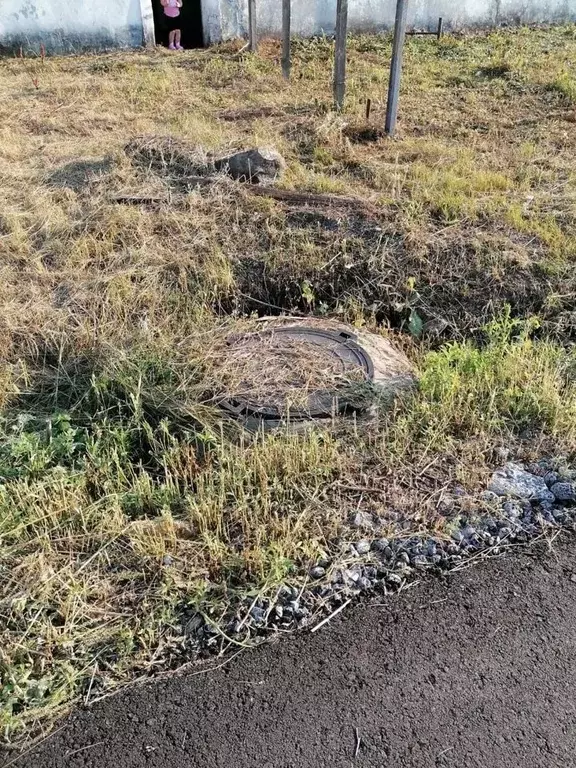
(172,18)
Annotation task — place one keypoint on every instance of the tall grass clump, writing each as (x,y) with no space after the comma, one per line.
(511,383)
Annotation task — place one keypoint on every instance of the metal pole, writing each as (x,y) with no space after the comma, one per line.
(440,28)
(340,53)
(286,21)
(252,37)
(396,66)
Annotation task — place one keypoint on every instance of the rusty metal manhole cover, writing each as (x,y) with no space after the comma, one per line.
(298,372)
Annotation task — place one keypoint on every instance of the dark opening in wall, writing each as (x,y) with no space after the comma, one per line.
(190,24)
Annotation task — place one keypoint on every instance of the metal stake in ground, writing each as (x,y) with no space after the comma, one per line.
(252,35)
(396,66)
(286,8)
(340,53)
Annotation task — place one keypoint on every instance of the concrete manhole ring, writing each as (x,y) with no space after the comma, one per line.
(300,372)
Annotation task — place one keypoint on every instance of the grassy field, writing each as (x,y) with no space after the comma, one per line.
(125,505)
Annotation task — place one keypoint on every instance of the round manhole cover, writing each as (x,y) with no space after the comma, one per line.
(296,372)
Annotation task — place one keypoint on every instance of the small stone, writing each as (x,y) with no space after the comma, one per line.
(362,520)
(317,572)
(505,533)
(551,478)
(362,547)
(403,557)
(468,532)
(353,575)
(388,553)
(167,560)
(548,496)
(258,614)
(279,611)
(452,549)
(445,505)
(337,576)
(380,545)
(194,624)
(514,480)
(564,491)
(420,561)
(364,583)
(394,579)
(371,572)
(431,548)
(458,537)
(512,509)
(573,578)
(436,558)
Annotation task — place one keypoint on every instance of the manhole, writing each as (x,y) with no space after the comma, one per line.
(295,372)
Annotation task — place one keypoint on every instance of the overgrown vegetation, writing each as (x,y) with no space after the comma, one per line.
(126,504)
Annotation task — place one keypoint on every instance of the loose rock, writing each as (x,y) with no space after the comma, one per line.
(551,478)
(362,520)
(514,480)
(257,166)
(564,491)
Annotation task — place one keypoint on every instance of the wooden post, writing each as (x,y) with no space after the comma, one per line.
(340,53)
(368,108)
(252,34)
(286,22)
(396,66)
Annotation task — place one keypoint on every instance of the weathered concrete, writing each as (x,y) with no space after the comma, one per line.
(71,25)
(313,17)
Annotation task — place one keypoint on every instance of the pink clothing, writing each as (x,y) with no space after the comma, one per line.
(172,9)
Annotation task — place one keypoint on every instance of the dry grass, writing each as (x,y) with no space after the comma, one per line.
(125,504)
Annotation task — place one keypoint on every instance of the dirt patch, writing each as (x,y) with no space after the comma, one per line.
(363,133)
(477,670)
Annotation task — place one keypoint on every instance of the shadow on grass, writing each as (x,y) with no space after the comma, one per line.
(79,174)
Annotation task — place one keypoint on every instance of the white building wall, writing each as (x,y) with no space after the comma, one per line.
(71,25)
(313,17)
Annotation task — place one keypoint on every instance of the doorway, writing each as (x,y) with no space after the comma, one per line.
(191,24)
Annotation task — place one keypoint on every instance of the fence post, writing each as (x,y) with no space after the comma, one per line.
(252,34)
(396,66)
(286,21)
(340,53)
(440,28)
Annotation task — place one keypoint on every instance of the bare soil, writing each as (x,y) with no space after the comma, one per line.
(476,670)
